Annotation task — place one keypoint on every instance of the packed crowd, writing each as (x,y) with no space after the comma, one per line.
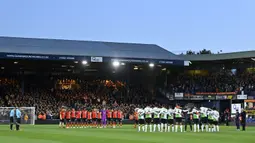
(74,94)
(53,93)
(224,81)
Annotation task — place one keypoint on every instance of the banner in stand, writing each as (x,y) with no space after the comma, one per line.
(209,97)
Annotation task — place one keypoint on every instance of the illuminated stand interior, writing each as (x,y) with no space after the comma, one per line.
(249,106)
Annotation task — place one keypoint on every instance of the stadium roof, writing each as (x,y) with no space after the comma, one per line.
(214,57)
(84,48)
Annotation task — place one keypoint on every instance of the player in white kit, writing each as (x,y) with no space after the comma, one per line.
(195,113)
(170,119)
(210,120)
(148,118)
(140,119)
(204,118)
(163,116)
(216,117)
(156,118)
(178,118)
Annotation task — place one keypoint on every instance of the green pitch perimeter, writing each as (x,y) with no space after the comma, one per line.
(126,134)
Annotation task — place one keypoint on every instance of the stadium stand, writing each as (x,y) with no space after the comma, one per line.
(48,74)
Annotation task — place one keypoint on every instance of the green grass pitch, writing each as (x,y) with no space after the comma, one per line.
(126,134)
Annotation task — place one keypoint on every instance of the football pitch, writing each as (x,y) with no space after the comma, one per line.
(126,134)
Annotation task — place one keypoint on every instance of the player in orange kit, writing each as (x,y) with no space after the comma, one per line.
(120,116)
(62,118)
(84,114)
(78,119)
(94,118)
(115,118)
(73,118)
(89,119)
(136,118)
(109,117)
(68,118)
(99,119)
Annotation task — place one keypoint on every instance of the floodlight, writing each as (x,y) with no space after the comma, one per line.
(115,63)
(84,62)
(76,62)
(151,65)
(15,62)
(123,64)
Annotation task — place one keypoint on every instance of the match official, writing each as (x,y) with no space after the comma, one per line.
(12,118)
(243,121)
(237,120)
(18,119)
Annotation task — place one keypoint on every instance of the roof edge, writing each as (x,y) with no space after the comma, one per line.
(62,39)
(221,56)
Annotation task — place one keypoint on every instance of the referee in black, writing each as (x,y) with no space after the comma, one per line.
(243,121)
(12,113)
(237,120)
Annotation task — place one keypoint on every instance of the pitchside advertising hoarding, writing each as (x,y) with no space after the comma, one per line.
(206,96)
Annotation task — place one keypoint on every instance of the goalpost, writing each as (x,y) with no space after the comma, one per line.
(27,115)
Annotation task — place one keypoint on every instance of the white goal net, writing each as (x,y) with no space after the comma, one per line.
(27,115)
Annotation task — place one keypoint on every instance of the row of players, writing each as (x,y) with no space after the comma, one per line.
(90,118)
(166,119)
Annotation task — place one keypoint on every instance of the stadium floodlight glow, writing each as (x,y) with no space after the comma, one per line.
(115,63)
(76,62)
(123,64)
(15,62)
(151,65)
(84,62)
